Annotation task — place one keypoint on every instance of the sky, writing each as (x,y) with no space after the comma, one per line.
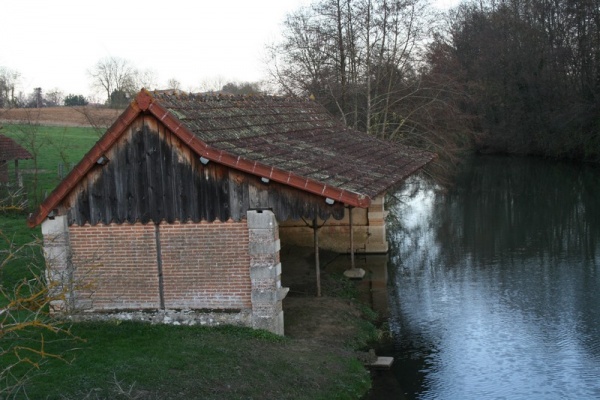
(53,44)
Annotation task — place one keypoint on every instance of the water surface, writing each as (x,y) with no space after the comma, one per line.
(495,285)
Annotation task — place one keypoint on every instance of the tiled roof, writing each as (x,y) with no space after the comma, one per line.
(291,141)
(296,136)
(10,150)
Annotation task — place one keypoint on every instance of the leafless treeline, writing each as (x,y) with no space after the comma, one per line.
(364,60)
(520,76)
(533,70)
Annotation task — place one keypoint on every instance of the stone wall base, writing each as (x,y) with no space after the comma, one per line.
(171,317)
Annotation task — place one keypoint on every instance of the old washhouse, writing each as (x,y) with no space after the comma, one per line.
(176,213)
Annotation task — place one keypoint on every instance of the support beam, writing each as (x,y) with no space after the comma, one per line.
(159,264)
(353,272)
(317,266)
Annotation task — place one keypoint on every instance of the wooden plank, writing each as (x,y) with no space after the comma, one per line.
(120,176)
(143,182)
(258,194)
(131,172)
(163,160)
(171,169)
(93,200)
(153,171)
(108,188)
(193,188)
(236,195)
(222,187)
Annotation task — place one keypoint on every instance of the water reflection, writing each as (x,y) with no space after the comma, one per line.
(496,286)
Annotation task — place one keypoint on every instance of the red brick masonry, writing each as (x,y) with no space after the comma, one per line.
(204,265)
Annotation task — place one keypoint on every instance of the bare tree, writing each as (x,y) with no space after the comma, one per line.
(173,84)
(113,74)
(145,78)
(9,79)
(243,88)
(212,84)
(54,97)
(353,56)
(27,326)
(364,60)
(532,68)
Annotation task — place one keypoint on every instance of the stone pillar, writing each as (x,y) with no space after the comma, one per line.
(377,240)
(59,273)
(265,271)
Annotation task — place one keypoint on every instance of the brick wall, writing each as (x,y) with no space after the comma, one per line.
(205,266)
(118,263)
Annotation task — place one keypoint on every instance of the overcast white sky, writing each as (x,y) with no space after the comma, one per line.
(54,43)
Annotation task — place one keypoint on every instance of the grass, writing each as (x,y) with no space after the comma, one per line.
(130,360)
(136,360)
(20,254)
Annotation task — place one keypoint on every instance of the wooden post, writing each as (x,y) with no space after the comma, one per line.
(351,237)
(17,173)
(159,264)
(353,272)
(317,266)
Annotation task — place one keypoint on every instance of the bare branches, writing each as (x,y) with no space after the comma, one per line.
(364,61)
(113,74)
(27,331)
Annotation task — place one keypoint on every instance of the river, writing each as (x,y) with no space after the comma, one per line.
(494,285)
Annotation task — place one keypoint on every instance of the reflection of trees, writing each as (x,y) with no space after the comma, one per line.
(524,232)
(527,207)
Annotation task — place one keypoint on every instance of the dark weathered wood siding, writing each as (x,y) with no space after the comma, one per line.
(153,176)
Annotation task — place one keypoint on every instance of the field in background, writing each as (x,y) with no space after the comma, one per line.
(61,116)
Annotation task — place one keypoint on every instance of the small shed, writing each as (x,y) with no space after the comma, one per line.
(11,151)
(175,213)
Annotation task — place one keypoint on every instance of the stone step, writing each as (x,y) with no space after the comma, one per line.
(381,363)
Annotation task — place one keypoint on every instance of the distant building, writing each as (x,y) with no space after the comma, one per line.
(11,151)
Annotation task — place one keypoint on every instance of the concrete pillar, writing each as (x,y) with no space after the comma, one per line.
(59,271)
(265,271)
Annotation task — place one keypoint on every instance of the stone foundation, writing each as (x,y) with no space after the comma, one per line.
(171,317)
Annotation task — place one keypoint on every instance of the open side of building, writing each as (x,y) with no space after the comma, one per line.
(175,214)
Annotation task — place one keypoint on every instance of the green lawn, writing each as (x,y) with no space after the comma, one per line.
(20,253)
(135,360)
(140,361)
